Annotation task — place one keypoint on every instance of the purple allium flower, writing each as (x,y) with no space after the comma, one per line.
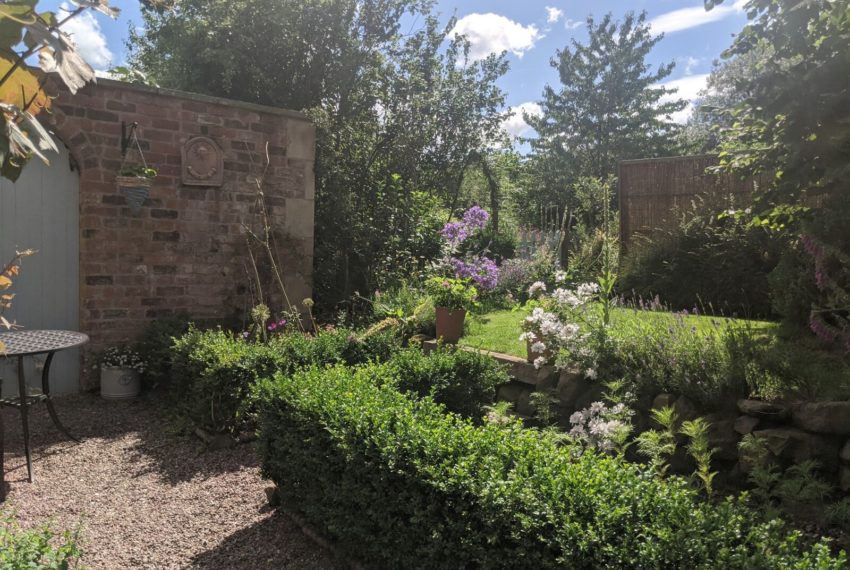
(475,218)
(482,270)
(455,232)
(272,326)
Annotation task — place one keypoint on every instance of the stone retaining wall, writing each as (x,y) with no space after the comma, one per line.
(793,433)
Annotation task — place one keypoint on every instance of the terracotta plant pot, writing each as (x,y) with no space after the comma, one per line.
(532,356)
(450,324)
(119,383)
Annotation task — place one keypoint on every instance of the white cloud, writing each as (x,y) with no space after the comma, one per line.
(492,33)
(689,62)
(516,125)
(571,24)
(687,88)
(86,33)
(553,14)
(687,18)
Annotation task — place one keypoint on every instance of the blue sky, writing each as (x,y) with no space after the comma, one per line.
(529,30)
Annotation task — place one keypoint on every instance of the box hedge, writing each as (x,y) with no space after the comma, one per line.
(213,371)
(463,381)
(399,483)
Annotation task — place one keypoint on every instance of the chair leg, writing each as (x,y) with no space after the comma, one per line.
(22,394)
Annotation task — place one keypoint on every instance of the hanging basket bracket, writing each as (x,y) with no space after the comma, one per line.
(127,135)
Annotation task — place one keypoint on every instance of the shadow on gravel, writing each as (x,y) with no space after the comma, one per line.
(277,542)
(154,444)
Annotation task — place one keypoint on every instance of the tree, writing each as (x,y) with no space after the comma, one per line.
(727,86)
(399,117)
(794,127)
(609,106)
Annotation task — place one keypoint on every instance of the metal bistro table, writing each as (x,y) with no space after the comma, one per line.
(31,343)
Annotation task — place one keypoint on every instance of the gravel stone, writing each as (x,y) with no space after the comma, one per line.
(146,497)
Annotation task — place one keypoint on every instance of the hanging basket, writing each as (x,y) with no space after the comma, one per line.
(135,189)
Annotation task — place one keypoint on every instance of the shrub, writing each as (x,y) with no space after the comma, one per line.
(464,381)
(793,292)
(334,346)
(214,370)
(670,353)
(212,376)
(410,305)
(707,262)
(773,366)
(155,347)
(37,548)
(515,275)
(500,245)
(400,484)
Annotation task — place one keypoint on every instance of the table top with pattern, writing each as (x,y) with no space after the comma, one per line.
(30,342)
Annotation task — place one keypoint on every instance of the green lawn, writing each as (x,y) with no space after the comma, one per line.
(796,356)
(499,330)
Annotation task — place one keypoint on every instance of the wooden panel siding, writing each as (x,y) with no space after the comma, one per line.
(41,211)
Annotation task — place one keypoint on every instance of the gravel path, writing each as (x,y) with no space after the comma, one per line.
(148,498)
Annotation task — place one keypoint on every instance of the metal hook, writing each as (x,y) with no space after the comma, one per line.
(126,136)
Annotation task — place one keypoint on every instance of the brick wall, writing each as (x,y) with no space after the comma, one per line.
(185,250)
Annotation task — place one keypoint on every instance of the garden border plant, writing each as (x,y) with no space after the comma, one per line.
(374,469)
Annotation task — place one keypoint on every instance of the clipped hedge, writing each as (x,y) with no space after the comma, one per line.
(463,381)
(213,371)
(399,483)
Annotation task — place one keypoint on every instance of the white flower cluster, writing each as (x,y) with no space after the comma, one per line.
(537,288)
(546,332)
(560,276)
(600,425)
(121,357)
(583,294)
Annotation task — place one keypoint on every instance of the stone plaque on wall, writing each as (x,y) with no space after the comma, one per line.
(203,162)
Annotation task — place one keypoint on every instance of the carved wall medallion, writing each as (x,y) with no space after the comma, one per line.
(203,162)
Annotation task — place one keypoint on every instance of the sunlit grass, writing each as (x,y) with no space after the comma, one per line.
(499,330)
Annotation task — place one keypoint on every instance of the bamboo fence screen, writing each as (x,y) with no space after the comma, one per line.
(652,191)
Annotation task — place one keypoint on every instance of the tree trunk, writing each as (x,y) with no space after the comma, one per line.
(564,246)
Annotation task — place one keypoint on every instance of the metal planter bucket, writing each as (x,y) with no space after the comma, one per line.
(119,383)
